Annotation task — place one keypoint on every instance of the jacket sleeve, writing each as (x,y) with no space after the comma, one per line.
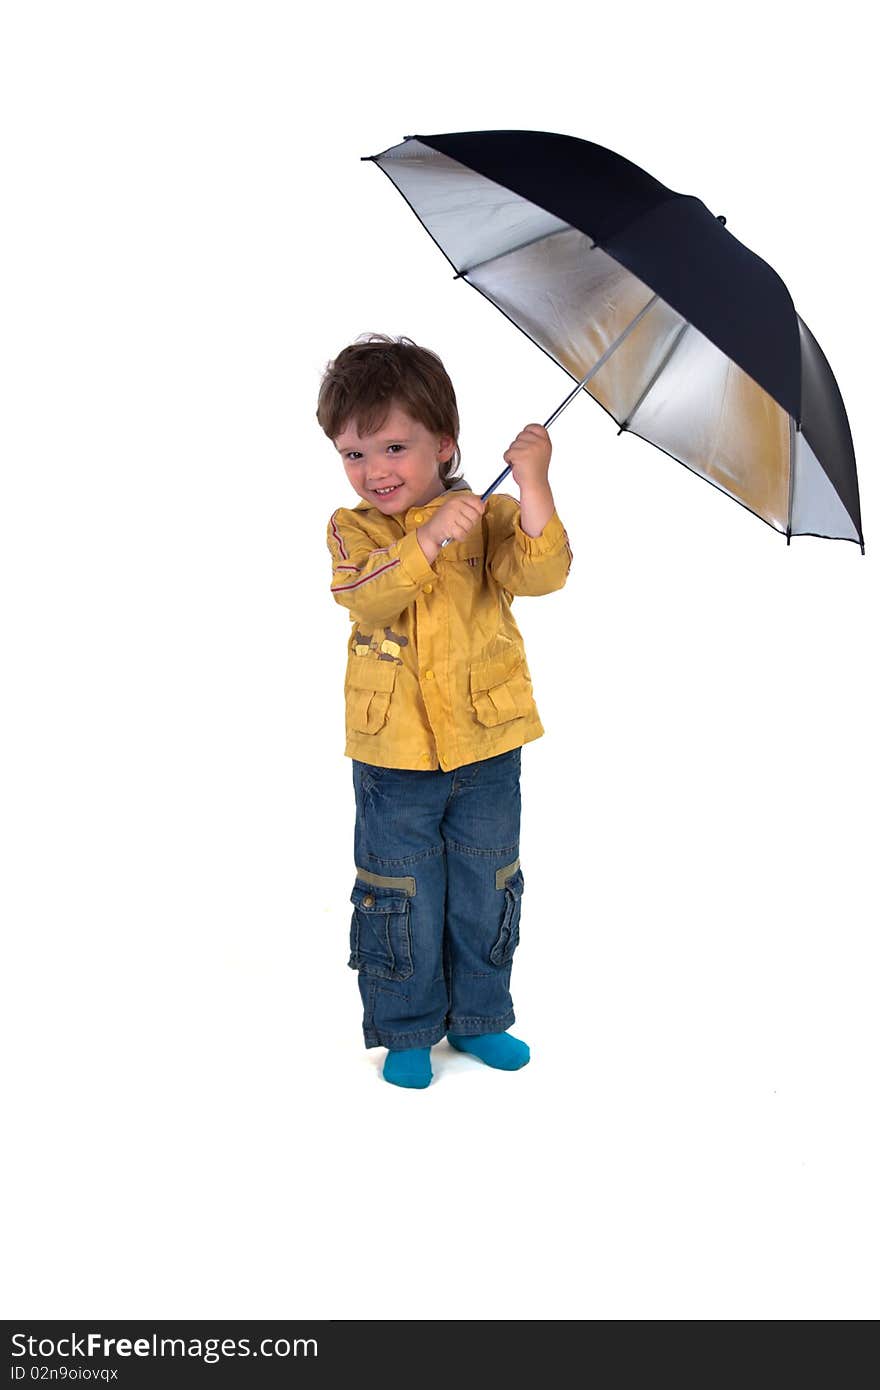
(525,564)
(374,585)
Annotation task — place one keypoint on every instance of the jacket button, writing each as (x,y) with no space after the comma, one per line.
(418,517)
(428,589)
(429,675)
(369,900)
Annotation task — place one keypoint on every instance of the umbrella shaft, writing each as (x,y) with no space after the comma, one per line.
(581,384)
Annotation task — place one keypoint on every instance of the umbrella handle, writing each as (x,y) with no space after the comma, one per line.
(547,423)
(491,488)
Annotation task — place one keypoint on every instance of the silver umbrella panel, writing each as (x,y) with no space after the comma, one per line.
(680,332)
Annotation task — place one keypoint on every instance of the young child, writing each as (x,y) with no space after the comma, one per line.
(438,702)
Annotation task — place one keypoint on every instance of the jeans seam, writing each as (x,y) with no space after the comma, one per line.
(422,1037)
(505,1019)
(406,859)
(481,853)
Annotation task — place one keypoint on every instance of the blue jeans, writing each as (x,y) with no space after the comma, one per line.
(436,899)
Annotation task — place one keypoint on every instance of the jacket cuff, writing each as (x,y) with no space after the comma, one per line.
(551,538)
(414,560)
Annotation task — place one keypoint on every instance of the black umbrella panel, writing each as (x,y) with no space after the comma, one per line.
(681,333)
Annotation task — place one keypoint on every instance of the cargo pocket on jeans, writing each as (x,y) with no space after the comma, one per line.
(508,936)
(368,686)
(381,934)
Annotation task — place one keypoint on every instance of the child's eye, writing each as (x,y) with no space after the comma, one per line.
(353,453)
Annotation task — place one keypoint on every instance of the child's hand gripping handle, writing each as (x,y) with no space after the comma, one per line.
(452,521)
(489,490)
(570,397)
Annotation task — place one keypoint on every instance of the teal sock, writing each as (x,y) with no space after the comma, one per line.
(495,1049)
(409,1067)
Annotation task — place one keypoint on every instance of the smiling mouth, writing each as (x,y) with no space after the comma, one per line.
(386,491)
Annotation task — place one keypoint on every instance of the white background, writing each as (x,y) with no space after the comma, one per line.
(195,1126)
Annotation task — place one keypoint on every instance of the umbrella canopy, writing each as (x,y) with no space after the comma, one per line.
(680,332)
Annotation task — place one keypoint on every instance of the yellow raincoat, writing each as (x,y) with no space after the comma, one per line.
(436,670)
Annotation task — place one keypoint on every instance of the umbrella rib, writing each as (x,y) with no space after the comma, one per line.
(603,359)
(791,452)
(663,365)
(521,247)
(581,384)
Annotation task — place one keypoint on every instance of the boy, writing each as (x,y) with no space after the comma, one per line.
(438,702)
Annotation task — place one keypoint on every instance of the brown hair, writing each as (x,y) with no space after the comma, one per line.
(376,372)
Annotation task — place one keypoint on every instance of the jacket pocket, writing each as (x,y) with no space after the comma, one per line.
(381,933)
(501,690)
(368,686)
(508,934)
(469,551)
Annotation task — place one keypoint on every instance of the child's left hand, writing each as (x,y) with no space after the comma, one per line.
(529,456)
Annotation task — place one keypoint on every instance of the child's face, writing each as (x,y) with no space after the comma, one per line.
(403,455)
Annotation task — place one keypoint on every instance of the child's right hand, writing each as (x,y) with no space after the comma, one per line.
(457,516)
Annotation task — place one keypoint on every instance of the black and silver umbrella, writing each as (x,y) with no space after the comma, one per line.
(680,332)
